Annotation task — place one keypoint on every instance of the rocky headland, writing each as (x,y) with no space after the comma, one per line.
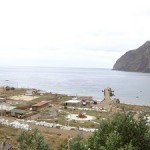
(137,60)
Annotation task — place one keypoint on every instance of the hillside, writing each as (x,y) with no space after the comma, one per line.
(137,60)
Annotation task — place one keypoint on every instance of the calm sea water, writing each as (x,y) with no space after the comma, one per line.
(129,87)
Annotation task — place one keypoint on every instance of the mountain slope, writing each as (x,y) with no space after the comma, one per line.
(137,60)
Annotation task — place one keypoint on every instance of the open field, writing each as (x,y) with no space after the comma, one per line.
(52,135)
(23,98)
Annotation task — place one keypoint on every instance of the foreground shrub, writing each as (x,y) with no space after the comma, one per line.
(122,133)
(32,140)
(76,143)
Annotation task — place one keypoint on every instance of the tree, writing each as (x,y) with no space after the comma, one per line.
(122,133)
(32,140)
(76,143)
(63,145)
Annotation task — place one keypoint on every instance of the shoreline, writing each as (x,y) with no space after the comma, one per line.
(98,99)
(124,101)
(87,82)
(77,95)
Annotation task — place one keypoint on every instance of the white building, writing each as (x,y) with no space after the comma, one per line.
(72,102)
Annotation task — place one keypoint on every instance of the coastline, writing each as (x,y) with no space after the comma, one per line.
(79,81)
(67,96)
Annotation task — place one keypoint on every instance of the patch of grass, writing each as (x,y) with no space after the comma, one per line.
(11,133)
(9,93)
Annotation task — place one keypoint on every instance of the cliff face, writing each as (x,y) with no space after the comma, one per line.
(137,60)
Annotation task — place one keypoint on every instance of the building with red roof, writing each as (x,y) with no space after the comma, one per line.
(40,105)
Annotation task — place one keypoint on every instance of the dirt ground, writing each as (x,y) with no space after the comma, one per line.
(23,97)
(53,136)
(56,136)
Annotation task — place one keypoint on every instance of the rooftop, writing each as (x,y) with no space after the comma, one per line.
(73,101)
(20,111)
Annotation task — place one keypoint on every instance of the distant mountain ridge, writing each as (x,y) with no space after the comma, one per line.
(137,60)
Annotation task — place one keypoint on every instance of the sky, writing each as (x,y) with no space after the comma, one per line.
(71,33)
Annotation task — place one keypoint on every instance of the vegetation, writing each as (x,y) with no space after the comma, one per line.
(76,143)
(32,140)
(122,133)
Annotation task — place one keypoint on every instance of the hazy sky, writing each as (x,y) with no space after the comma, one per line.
(71,33)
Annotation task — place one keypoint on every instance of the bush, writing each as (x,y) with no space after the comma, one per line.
(32,140)
(76,143)
(122,133)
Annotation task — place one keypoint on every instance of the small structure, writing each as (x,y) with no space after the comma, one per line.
(86,102)
(73,102)
(31,92)
(108,93)
(108,102)
(19,113)
(39,105)
(41,92)
(5,108)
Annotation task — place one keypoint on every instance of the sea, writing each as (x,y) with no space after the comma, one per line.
(129,87)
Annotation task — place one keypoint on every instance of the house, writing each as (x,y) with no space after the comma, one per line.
(73,102)
(41,92)
(5,108)
(19,113)
(39,105)
(31,92)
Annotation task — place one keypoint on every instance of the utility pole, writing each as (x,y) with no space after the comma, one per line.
(1,109)
(69,142)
